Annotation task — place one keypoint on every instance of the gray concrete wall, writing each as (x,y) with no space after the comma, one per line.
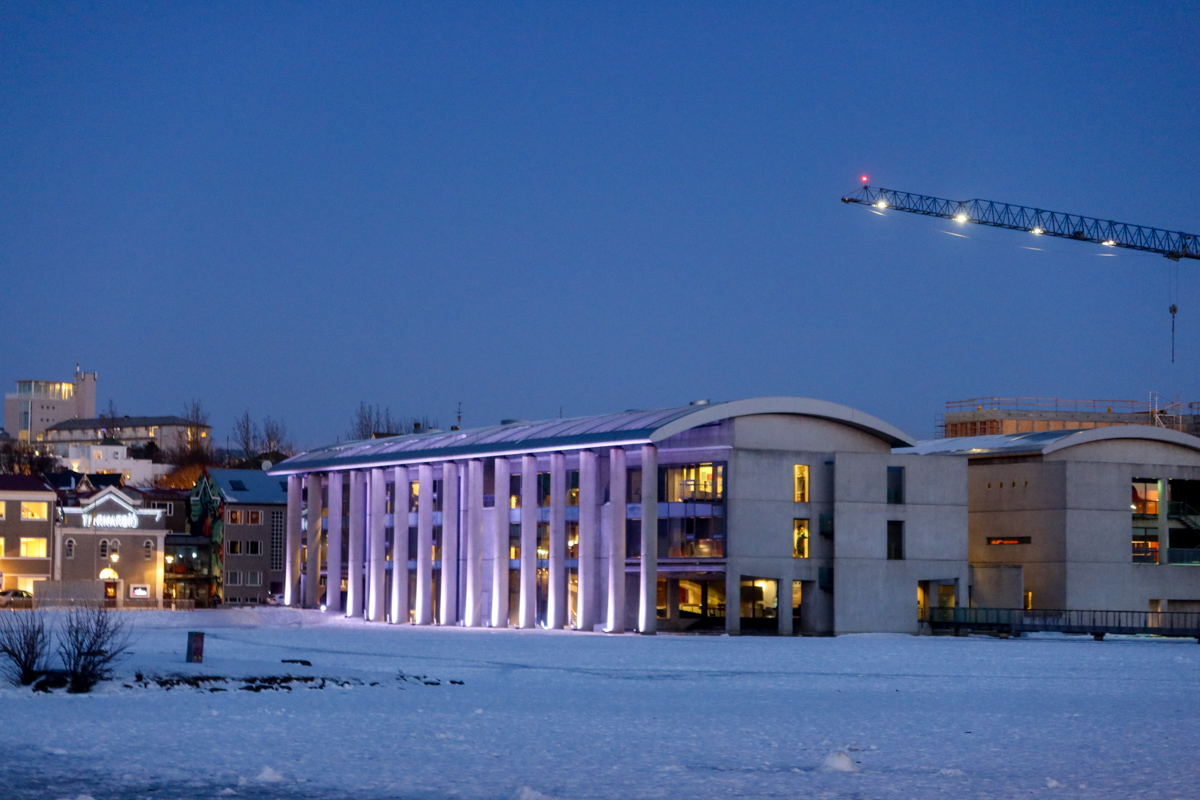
(997,585)
(871,593)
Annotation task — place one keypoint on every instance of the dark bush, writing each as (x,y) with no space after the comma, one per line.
(93,641)
(25,645)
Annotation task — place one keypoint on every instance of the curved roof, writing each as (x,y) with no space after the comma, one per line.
(1047,442)
(607,430)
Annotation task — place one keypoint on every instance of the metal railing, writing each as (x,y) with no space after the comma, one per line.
(1183,555)
(1097,623)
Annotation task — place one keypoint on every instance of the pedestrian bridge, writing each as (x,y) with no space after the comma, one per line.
(1185,624)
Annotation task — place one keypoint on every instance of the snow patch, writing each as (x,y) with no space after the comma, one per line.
(525,793)
(268,775)
(840,762)
(1052,784)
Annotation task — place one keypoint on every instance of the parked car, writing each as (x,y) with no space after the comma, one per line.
(275,599)
(20,595)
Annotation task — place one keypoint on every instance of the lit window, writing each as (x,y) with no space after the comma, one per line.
(1009,540)
(688,482)
(148,549)
(800,474)
(33,548)
(799,538)
(236,517)
(1145,498)
(68,548)
(35,511)
(255,518)
(1,547)
(1,509)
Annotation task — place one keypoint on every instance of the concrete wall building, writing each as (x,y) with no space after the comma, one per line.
(28,510)
(111,541)
(1101,519)
(786,514)
(112,457)
(37,405)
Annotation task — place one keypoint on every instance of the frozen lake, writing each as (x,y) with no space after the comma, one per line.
(571,715)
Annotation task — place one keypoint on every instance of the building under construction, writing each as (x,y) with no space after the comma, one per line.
(983,416)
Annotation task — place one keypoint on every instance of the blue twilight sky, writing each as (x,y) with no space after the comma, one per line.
(291,207)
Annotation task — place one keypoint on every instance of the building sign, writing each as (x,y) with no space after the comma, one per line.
(110,509)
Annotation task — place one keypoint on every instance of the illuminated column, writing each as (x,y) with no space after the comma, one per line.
(527,615)
(500,537)
(588,518)
(473,613)
(333,547)
(312,580)
(648,597)
(377,498)
(448,607)
(556,606)
(616,554)
(424,609)
(399,609)
(354,559)
(291,587)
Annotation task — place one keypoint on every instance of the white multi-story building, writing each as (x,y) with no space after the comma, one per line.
(37,405)
(789,514)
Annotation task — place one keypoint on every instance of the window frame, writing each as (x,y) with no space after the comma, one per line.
(68,548)
(801,483)
(798,524)
(29,539)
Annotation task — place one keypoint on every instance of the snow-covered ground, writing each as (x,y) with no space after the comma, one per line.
(570,715)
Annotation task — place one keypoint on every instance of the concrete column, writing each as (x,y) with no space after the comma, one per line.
(733,601)
(783,607)
(556,606)
(500,534)
(473,613)
(1164,522)
(291,586)
(333,547)
(527,615)
(423,613)
(376,516)
(399,604)
(588,517)
(451,500)
(616,556)
(648,595)
(312,581)
(354,559)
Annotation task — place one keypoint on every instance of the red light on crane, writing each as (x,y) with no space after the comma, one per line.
(864,178)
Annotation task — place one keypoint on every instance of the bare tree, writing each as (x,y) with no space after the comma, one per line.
(25,644)
(94,639)
(19,458)
(376,421)
(245,433)
(275,436)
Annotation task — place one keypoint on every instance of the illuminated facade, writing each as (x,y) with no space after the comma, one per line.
(781,514)
(1099,519)
(28,508)
(112,543)
(37,405)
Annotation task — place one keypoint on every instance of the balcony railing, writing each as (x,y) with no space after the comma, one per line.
(1183,555)
(1097,623)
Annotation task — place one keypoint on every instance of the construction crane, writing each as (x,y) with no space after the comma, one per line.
(1172,244)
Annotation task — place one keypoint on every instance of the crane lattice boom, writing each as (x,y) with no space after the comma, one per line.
(1172,244)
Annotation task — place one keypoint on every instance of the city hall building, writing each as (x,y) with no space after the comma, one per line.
(783,514)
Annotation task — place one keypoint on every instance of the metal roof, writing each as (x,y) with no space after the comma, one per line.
(249,486)
(121,423)
(1046,442)
(606,430)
